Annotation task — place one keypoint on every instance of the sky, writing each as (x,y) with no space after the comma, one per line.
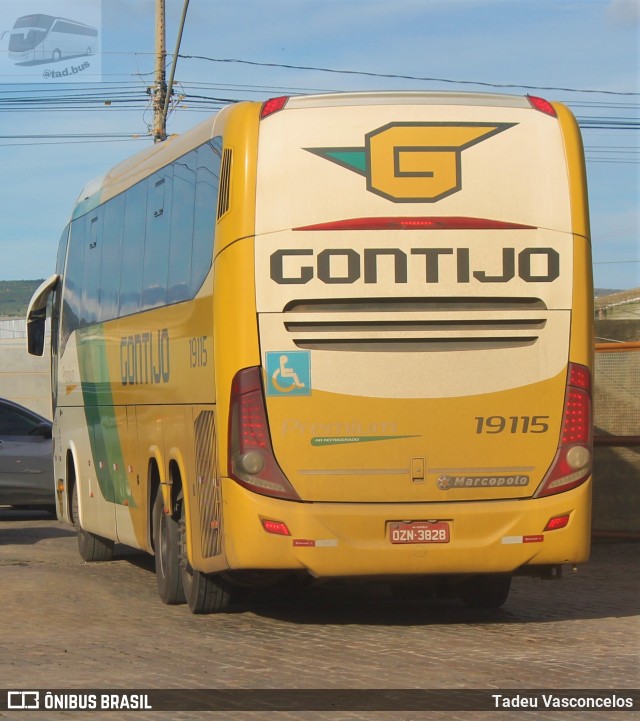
(56,134)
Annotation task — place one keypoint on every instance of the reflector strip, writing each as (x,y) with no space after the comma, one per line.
(533,539)
(320,543)
(522,539)
(418,223)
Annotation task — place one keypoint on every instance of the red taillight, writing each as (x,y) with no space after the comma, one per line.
(579,377)
(544,106)
(557,522)
(278,528)
(273,105)
(408,223)
(251,459)
(572,463)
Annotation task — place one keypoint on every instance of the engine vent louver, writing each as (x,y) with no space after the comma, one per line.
(415,325)
(224,193)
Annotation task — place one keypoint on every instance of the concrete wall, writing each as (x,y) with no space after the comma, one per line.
(616,474)
(617,331)
(24,378)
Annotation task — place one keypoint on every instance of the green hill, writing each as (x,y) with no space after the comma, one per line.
(15,296)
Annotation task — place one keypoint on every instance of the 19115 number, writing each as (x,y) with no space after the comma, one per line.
(512,424)
(198,352)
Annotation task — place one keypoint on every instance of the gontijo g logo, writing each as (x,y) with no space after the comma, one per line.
(413,162)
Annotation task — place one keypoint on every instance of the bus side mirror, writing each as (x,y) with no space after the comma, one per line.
(37,315)
(35,331)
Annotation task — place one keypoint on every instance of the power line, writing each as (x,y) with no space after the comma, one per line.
(614,262)
(405,77)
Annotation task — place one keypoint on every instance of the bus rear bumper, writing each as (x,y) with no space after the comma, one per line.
(352,539)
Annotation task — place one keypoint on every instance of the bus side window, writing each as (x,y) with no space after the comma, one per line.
(73,281)
(207,182)
(182,211)
(157,236)
(91,267)
(135,211)
(111,258)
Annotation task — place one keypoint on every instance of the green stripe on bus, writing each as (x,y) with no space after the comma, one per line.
(106,448)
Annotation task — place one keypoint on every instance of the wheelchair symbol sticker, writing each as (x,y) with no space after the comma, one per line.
(289,373)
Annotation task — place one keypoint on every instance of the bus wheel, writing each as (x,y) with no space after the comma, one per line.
(166,546)
(92,548)
(205,593)
(488,591)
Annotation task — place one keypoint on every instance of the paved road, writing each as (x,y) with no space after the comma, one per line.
(67,624)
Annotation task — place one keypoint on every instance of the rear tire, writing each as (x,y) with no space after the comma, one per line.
(92,548)
(166,546)
(486,591)
(204,592)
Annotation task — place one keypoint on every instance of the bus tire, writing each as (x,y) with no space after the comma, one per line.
(166,546)
(92,548)
(205,593)
(485,591)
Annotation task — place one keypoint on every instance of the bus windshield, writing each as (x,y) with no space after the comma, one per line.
(29,31)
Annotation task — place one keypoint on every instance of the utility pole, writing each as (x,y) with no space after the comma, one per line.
(160,88)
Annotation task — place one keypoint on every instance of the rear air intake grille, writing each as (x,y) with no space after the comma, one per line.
(224,194)
(411,305)
(415,325)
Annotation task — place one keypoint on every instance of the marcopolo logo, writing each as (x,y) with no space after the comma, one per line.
(413,162)
(446,482)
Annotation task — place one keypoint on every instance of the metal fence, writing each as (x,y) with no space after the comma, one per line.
(13,328)
(616,494)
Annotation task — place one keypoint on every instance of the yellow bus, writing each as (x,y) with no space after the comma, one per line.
(331,336)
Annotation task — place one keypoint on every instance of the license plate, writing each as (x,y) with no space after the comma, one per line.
(419,532)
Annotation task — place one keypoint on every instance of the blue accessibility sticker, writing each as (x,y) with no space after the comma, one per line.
(289,373)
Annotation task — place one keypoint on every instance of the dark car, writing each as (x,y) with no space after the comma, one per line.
(26,459)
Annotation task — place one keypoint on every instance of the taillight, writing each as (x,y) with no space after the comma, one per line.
(416,223)
(273,105)
(251,459)
(557,522)
(573,461)
(278,528)
(544,106)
